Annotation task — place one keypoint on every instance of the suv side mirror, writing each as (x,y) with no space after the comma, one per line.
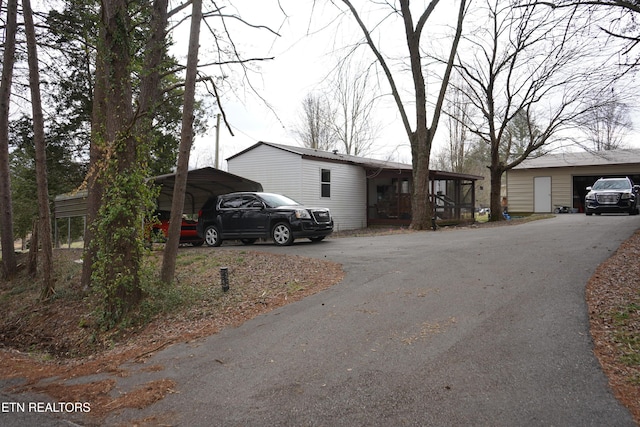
(588,188)
(256,204)
(636,188)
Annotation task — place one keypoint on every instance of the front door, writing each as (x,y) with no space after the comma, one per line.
(542,194)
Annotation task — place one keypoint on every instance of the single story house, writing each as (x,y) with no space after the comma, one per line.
(542,184)
(359,191)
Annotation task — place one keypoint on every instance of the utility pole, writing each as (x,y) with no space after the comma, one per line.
(217,141)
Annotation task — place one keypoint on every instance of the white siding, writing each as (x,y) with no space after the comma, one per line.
(348,192)
(282,172)
(277,170)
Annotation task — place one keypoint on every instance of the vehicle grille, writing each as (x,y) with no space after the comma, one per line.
(321,217)
(608,198)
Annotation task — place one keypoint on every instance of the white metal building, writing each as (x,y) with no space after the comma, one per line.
(358,191)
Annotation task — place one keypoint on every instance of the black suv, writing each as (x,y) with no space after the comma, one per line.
(252,216)
(612,195)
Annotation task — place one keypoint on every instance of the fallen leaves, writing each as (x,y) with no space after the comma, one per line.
(54,343)
(613,299)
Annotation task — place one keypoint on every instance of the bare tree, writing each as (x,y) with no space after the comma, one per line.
(354,126)
(44,222)
(186,140)
(457,111)
(9,264)
(422,132)
(343,119)
(618,19)
(192,70)
(315,126)
(606,126)
(528,69)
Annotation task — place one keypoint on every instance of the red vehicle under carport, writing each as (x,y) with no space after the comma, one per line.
(188,232)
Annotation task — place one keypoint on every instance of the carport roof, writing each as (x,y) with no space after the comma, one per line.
(583,158)
(201,184)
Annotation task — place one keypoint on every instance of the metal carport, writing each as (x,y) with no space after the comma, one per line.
(201,184)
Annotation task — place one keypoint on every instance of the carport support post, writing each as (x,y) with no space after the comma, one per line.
(224,278)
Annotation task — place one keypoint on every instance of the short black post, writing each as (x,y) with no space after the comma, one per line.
(224,278)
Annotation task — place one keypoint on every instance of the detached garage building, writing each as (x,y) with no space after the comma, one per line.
(540,185)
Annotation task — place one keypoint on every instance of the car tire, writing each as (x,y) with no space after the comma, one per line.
(282,234)
(316,239)
(248,241)
(212,236)
(589,213)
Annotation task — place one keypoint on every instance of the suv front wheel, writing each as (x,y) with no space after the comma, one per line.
(282,234)
(212,236)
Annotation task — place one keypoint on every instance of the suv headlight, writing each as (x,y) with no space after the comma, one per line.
(625,196)
(591,196)
(302,214)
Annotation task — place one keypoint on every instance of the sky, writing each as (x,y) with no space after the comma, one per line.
(268,105)
(305,53)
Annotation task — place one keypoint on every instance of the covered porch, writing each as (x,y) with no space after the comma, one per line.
(452,196)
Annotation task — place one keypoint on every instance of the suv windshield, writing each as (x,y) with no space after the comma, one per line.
(276,200)
(612,184)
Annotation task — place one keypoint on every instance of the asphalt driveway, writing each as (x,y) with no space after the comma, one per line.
(449,328)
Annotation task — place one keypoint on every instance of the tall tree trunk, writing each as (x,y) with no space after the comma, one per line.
(186,139)
(116,171)
(34,244)
(122,145)
(149,98)
(495,200)
(9,264)
(496,170)
(150,90)
(47,289)
(96,155)
(421,211)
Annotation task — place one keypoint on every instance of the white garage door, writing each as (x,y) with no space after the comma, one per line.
(542,194)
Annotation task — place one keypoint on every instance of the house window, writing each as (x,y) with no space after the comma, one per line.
(325,182)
